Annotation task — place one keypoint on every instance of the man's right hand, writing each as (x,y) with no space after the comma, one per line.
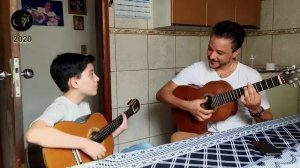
(195,108)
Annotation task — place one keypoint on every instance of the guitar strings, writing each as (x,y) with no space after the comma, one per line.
(236,94)
(103,133)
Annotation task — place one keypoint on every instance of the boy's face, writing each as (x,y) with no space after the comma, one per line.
(88,81)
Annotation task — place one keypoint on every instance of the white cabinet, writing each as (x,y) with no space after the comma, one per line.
(283,99)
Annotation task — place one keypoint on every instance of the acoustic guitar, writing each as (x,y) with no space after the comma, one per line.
(94,127)
(222,98)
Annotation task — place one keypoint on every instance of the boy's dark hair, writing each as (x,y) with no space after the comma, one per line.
(68,65)
(230,30)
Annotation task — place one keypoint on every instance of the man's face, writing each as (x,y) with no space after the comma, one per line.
(219,52)
(88,81)
(48,6)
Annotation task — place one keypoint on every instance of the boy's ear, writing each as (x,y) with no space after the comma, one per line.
(73,82)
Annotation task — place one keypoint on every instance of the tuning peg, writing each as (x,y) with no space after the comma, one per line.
(287,72)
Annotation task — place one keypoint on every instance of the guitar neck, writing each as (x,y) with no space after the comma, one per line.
(237,93)
(110,128)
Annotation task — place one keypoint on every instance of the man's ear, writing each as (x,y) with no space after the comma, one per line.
(236,53)
(73,83)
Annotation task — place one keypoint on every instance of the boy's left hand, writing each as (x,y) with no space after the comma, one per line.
(122,127)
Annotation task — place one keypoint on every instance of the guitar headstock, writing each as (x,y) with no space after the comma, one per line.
(134,105)
(291,75)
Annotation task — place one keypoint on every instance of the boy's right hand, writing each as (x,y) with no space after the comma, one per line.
(94,149)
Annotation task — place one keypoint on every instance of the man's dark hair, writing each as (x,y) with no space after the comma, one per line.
(230,30)
(68,65)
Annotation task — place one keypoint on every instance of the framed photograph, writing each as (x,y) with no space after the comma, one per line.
(77,7)
(78,22)
(45,12)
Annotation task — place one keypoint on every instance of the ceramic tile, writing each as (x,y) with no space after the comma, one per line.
(116,148)
(286,14)
(138,125)
(132,84)
(129,144)
(112,50)
(111,13)
(157,79)
(161,119)
(242,56)
(204,45)
(286,49)
(131,52)
(114,96)
(160,139)
(161,51)
(177,70)
(187,50)
(261,49)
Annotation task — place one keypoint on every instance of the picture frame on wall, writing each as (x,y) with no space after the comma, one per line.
(78,22)
(45,12)
(77,7)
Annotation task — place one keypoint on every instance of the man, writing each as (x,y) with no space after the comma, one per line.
(225,44)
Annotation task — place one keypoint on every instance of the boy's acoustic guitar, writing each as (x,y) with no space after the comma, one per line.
(94,127)
(222,98)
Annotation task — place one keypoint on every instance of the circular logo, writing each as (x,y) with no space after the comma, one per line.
(21,20)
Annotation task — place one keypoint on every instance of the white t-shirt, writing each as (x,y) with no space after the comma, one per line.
(200,73)
(62,109)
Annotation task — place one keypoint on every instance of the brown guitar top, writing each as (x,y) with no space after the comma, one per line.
(93,127)
(58,158)
(186,122)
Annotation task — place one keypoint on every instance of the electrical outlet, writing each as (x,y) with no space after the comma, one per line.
(83,49)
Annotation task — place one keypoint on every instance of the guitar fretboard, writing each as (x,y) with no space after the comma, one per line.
(110,128)
(237,93)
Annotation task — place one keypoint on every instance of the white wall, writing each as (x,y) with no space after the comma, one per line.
(47,42)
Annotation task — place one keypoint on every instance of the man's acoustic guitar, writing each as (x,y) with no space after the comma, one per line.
(222,98)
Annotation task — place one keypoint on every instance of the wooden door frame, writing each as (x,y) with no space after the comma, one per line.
(103,57)
(12,153)
(11,126)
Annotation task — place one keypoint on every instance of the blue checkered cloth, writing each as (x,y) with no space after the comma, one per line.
(227,149)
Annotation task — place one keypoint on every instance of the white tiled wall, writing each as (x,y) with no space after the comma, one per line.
(143,61)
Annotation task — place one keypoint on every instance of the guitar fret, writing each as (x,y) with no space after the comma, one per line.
(272,82)
(237,93)
(255,86)
(107,130)
(266,84)
(227,98)
(221,99)
(231,97)
(217,100)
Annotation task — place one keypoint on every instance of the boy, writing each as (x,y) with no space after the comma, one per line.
(74,75)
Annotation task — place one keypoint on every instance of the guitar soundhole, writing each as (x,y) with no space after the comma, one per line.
(186,98)
(93,134)
(208,104)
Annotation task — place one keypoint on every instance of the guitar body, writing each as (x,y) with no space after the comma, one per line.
(186,122)
(59,158)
